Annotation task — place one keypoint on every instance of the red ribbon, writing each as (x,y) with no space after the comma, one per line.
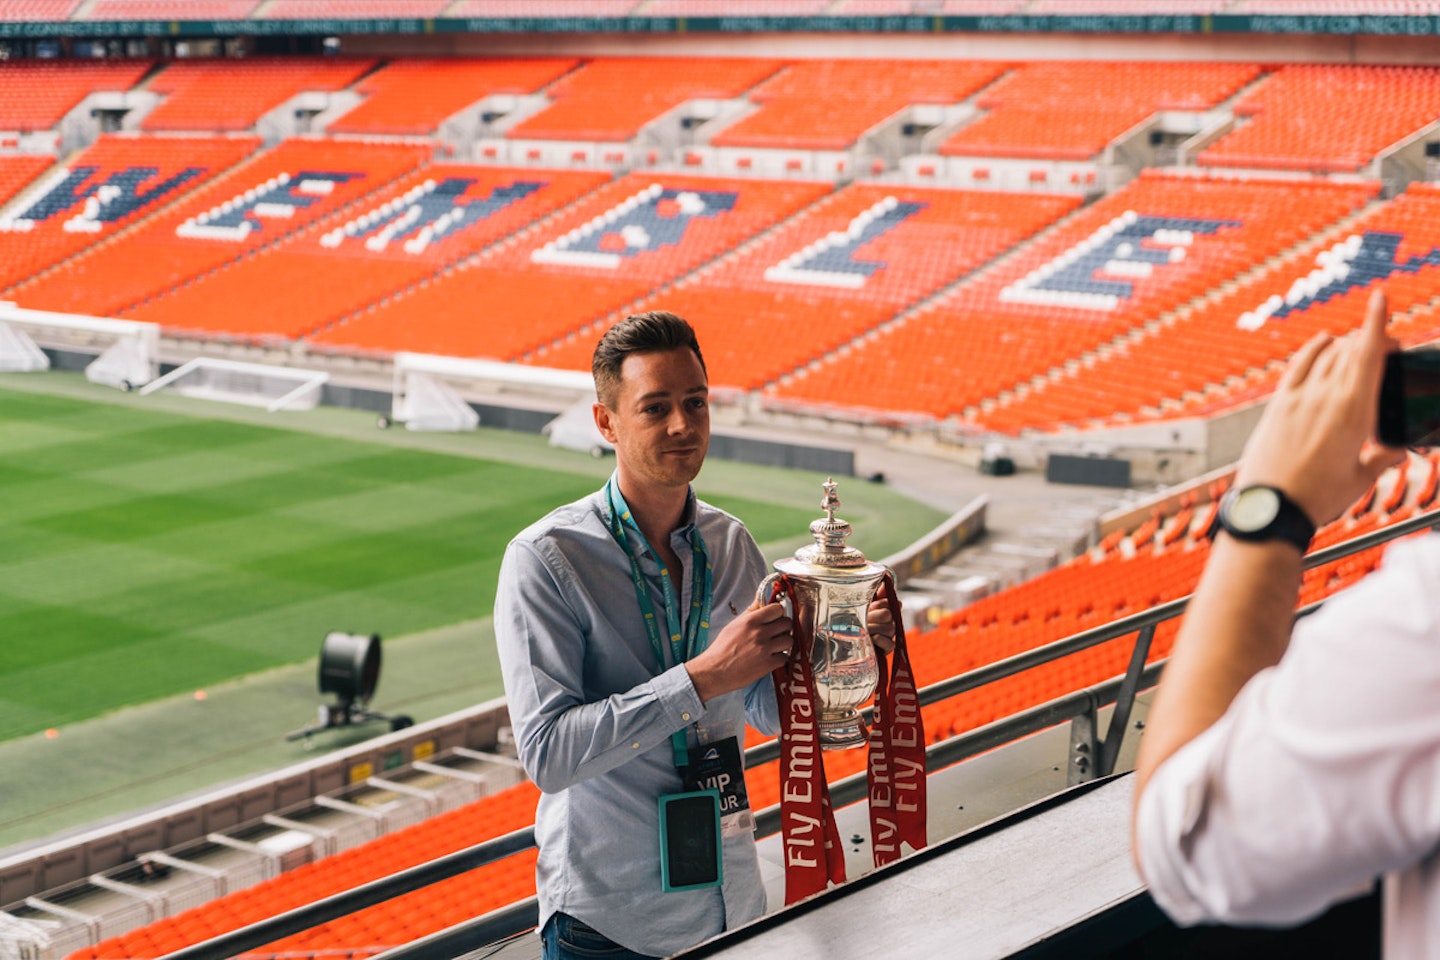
(896,769)
(810,839)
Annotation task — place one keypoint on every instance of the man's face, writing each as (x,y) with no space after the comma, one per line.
(660,424)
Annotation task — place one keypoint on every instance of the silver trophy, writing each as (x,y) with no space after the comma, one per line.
(833,585)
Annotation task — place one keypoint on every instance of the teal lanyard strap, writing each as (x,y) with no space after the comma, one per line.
(687,640)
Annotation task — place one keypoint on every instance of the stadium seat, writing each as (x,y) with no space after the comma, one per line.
(306,9)
(416,96)
(280,191)
(216,95)
(350,261)
(1327,117)
(171,9)
(552,8)
(596,257)
(23,10)
(1005,327)
(609,100)
(36,94)
(838,271)
(136,174)
(829,104)
(1072,110)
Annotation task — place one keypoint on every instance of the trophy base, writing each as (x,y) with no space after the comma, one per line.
(842,733)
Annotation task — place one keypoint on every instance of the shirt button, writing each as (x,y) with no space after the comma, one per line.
(684,716)
(636,744)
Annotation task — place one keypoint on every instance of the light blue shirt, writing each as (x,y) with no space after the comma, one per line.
(593,712)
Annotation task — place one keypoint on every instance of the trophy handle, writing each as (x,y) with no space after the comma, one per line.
(771,589)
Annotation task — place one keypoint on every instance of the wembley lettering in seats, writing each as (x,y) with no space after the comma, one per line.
(1356,261)
(428,213)
(276,199)
(1098,273)
(654,217)
(120,195)
(832,261)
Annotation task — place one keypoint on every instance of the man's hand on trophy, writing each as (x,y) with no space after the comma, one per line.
(880,622)
(751,646)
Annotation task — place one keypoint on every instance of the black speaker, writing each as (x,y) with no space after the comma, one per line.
(350,666)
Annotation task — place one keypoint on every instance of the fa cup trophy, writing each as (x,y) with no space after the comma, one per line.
(832,586)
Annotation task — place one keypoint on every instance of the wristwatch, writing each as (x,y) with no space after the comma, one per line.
(1260,513)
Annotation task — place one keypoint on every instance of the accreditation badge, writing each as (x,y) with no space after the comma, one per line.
(717,764)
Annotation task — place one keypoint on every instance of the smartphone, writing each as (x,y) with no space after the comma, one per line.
(1410,399)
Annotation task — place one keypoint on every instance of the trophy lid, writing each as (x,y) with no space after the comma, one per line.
(830,533)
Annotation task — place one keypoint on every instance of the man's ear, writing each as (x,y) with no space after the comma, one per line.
(602,421)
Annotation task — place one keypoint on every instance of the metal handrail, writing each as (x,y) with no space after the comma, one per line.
(1084,702)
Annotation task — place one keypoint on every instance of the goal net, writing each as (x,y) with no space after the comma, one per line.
(252,384)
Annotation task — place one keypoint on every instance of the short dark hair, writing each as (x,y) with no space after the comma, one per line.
(653,332)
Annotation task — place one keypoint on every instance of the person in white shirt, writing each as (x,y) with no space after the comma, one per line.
(1282,772)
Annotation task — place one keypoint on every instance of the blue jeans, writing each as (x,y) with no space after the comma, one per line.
(565,938)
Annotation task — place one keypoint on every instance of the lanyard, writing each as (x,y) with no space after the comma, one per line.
(688,639)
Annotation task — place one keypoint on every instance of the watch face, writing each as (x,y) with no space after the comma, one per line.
(1254,508)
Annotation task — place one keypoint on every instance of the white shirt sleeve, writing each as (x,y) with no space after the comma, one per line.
(1323,774)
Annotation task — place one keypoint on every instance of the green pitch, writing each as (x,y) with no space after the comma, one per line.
(152,547)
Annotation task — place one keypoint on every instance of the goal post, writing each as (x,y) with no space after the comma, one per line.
(252,384)
(425,394)
(126,351)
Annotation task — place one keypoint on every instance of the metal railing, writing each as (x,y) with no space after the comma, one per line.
(1091,756)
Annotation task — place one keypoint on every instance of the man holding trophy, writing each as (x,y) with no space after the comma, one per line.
(633,653)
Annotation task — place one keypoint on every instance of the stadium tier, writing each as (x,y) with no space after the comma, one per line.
(836,272)
(36,95)
(610,100)
(1072,110)
(102,190)
(857,95)
(279,191)
(416,96)
(1239,335)
(394,922)
(1161,242)
(620,243)
(228,95)
(401,236)
(1326,118)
